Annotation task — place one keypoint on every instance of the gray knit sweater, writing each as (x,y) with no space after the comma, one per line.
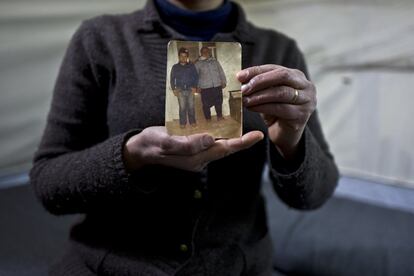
(160,220)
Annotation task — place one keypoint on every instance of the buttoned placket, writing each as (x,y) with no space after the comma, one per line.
(199,196)
(153,23)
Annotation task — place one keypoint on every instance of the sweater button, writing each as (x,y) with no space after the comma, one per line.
(183,247)
(197,194)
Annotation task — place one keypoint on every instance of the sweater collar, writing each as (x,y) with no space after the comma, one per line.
(151,21)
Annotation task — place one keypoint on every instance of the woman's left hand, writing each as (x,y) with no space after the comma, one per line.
(285,98)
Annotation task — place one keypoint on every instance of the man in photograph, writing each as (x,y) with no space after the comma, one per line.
(211,82)
(184,79)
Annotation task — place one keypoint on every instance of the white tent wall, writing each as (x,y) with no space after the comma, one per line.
(360,55)
(34,36)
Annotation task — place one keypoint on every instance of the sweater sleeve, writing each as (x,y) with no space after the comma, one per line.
(77,167)
(311,180)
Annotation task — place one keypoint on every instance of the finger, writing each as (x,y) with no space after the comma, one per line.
(244,142)
(246,74)
(225,147)
(282,111)
(278,94)
(277,77)
(151,136)
(186,145)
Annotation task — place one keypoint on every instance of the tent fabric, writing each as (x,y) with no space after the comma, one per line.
(34,36)
(360,55)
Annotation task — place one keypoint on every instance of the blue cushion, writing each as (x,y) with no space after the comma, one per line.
(343,237)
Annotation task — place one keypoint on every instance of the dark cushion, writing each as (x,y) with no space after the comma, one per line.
(344,237)
(30,238)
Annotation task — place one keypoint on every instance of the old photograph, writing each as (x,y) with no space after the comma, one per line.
(202,92)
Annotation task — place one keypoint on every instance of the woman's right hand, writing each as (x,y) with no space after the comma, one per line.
(192,153)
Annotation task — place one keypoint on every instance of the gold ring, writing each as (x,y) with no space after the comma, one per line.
(295,97)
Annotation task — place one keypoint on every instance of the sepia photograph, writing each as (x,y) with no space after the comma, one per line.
(202,92)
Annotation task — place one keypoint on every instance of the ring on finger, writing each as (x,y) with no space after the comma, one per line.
(295,97)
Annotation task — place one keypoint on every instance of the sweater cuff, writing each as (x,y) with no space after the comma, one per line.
(282,167)
(117,156)
(295,173)
(311,183)
(137,181)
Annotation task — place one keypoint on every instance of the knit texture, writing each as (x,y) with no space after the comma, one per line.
(111,85)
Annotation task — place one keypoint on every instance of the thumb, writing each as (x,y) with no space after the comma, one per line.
(225,147)
(246,141)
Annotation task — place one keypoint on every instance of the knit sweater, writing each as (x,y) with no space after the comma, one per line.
(160,220)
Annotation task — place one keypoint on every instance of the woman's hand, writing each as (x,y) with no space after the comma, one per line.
(192,153)
(285,98)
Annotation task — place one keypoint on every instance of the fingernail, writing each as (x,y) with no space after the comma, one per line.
(245,88)
(208,141)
